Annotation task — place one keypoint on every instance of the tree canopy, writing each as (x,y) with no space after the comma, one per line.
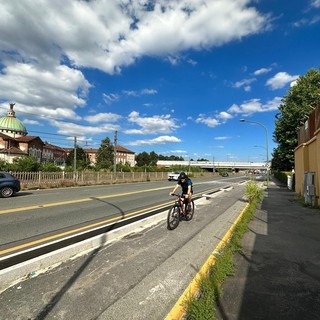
(105,155)
(82,159)
(297,104)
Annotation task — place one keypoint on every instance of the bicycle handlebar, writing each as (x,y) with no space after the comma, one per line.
(176,194)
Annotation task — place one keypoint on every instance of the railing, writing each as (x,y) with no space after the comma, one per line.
(31,180)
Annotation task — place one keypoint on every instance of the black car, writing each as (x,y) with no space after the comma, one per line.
(9,184)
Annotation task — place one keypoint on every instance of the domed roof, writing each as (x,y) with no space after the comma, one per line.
(10,125)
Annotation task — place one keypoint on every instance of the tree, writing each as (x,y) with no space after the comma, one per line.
(49,167)
(153,159)
(82,159)
(143,159)
(295,109)
(105,155)
(25,164)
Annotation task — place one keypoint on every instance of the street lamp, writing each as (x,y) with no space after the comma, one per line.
(267,151)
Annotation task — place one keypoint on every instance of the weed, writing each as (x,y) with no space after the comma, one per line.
(202,307)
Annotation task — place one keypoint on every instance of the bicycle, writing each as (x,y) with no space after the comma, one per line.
(180,209)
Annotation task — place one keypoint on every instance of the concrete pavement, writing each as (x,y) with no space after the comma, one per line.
(278,271)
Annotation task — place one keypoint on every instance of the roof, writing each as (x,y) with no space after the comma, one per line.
(53,147)
(28,139)
(13,150)
(122,149)
(11,123)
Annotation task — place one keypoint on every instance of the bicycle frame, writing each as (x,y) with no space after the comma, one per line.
(181,201)
(178,210)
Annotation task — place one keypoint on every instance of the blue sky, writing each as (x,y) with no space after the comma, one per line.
(174,77)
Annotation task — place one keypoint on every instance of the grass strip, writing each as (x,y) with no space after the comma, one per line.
(201,307)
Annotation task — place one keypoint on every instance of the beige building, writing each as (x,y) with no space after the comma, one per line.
(307,159)
(123,155)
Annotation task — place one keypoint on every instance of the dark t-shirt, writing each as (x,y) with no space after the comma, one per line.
(184,185)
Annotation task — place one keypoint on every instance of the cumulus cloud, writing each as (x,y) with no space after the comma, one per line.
(103,117)
(55,88)
(158,140)
(44,50)
(72,129)
(254,105)
(280,80)
(244,83)
(151,125)
(209,121)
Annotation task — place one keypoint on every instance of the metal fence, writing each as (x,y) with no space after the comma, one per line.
(64,179)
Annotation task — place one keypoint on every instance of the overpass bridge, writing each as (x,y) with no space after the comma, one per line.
(210,165)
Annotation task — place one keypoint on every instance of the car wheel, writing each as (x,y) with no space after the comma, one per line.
(6,192)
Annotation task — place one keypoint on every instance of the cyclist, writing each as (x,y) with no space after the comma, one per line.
(186,184)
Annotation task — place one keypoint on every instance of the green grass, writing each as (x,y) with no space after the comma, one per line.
(202,307)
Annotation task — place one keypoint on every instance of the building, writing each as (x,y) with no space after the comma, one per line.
(123,155)
(307,159)
(15,143)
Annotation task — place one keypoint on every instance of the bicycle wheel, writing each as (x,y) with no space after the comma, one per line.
(190,213)
(173,218)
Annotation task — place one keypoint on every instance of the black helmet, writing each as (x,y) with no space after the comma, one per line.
(182,176)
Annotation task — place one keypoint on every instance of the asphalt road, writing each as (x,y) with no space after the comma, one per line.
(140,276)
(40,214)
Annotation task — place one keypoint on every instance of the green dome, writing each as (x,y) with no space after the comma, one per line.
(10,124)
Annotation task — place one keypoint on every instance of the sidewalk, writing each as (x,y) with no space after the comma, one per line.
(278,271)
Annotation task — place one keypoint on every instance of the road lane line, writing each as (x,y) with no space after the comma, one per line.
(93,225)
(97,224)
(55,204)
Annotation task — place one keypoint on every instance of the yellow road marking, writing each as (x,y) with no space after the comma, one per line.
(55,204)
(60,235)
(178,311)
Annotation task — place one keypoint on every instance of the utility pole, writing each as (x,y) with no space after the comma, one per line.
(75,159)
(115,151)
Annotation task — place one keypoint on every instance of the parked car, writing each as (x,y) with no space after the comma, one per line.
(225,174)
(174,175)
(9,184)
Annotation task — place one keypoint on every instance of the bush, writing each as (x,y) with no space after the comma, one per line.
(253,192)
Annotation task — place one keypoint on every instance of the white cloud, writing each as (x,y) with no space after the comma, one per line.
(103,117)
(157,141)
(110,98)
(223,138)
(60,87)
(315,3)
(262,71)
(151,125)
(225,115)
(244,82)
(280,80)
(44,47)
(140,93)
(116,34)
(209,121)
(254,105)
(73,129)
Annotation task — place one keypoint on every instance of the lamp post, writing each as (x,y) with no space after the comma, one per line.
(267,150)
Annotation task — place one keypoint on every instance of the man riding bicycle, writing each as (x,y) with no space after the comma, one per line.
(186,184)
